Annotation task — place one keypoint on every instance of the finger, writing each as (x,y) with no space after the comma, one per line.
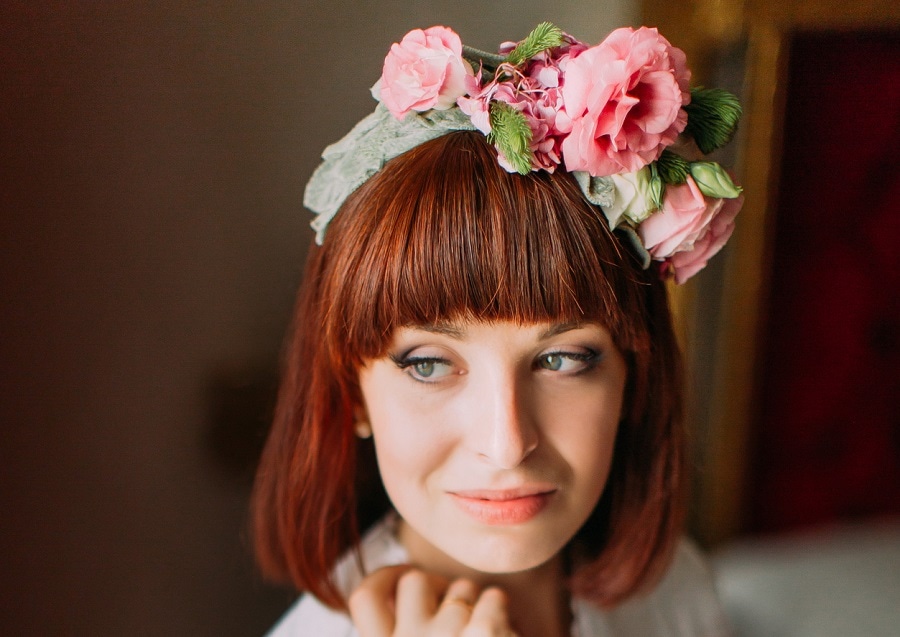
(417,597)
(456,607)
(372,603)
(489,616)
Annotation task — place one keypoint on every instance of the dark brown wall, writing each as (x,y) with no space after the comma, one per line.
(151,240)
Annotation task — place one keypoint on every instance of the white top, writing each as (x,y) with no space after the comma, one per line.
(831,581)
(683,604)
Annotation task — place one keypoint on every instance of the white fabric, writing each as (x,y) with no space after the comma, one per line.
(839,581)
(683,604)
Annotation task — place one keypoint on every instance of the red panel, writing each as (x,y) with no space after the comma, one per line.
(828,435)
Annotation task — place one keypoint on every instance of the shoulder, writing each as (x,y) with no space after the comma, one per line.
(683,604)
(309,617)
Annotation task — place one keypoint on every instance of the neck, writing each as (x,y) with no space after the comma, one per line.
(538,598)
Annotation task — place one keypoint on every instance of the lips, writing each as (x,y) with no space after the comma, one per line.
(505,506)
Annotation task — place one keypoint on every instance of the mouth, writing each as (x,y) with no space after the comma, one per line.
(505,506)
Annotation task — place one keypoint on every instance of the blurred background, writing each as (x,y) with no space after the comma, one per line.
(153,157)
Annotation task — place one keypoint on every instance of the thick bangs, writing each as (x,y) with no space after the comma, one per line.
(444,232)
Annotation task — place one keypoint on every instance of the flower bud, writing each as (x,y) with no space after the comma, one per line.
(713,181)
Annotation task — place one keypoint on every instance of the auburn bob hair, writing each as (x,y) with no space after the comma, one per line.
(443,232)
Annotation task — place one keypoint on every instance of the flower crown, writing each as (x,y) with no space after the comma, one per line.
(620,116)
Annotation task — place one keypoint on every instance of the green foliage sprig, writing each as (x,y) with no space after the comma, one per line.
(657,186)
(544,36)
(713,115)
(512,136)
(672,169)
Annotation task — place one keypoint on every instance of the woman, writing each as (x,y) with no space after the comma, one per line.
(482,319)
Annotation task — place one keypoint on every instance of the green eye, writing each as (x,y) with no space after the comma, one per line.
(553,362)
(568,362)
(424,368)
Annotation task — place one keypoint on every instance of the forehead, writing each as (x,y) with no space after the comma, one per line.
(461,329)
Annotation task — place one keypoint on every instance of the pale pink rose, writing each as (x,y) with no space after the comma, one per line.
(534,90)
(548,67)
(537,104)
(539,107)
(477,107)
(623,102)
(425,70)
(687,263)
(506,48)
(477,110)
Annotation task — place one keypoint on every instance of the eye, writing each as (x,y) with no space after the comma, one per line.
(425,370)
(568,362)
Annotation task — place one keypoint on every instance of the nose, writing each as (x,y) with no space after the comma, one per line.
(506,431)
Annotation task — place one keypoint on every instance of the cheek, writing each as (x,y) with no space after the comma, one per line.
(585,436)
(590,453)
(410,446)
(399,425)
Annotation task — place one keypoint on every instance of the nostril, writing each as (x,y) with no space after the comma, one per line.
(509,446)
(507,434)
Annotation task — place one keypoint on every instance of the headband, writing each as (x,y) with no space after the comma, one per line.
(619,116)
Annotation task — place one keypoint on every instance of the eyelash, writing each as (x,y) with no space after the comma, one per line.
(590,358)
(404,363)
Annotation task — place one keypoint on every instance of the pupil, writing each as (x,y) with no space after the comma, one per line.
(425,368)
(553,362)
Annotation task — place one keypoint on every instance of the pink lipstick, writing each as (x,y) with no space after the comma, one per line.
(513,506)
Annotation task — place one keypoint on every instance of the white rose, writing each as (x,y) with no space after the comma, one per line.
(633,198)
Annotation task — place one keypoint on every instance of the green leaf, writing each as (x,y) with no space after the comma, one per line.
(656,186)
(713,115)
(544,36)
(512,136)
(673,169)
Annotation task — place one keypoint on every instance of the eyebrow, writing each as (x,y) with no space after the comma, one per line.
(456,332)
(560,328)
(447,329)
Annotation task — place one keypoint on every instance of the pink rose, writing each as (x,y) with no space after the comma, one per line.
(688,222)
(623,102)
(425,70)
(684,214)
(687,263)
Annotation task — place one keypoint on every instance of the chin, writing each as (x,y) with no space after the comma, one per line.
(499,555)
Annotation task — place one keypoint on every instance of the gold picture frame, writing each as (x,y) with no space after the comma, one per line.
(708,30)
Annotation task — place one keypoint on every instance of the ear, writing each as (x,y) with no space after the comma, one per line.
(361,424)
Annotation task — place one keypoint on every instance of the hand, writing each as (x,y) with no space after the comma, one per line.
(401,601)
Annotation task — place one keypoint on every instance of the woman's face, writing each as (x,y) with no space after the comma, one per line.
(494,440)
